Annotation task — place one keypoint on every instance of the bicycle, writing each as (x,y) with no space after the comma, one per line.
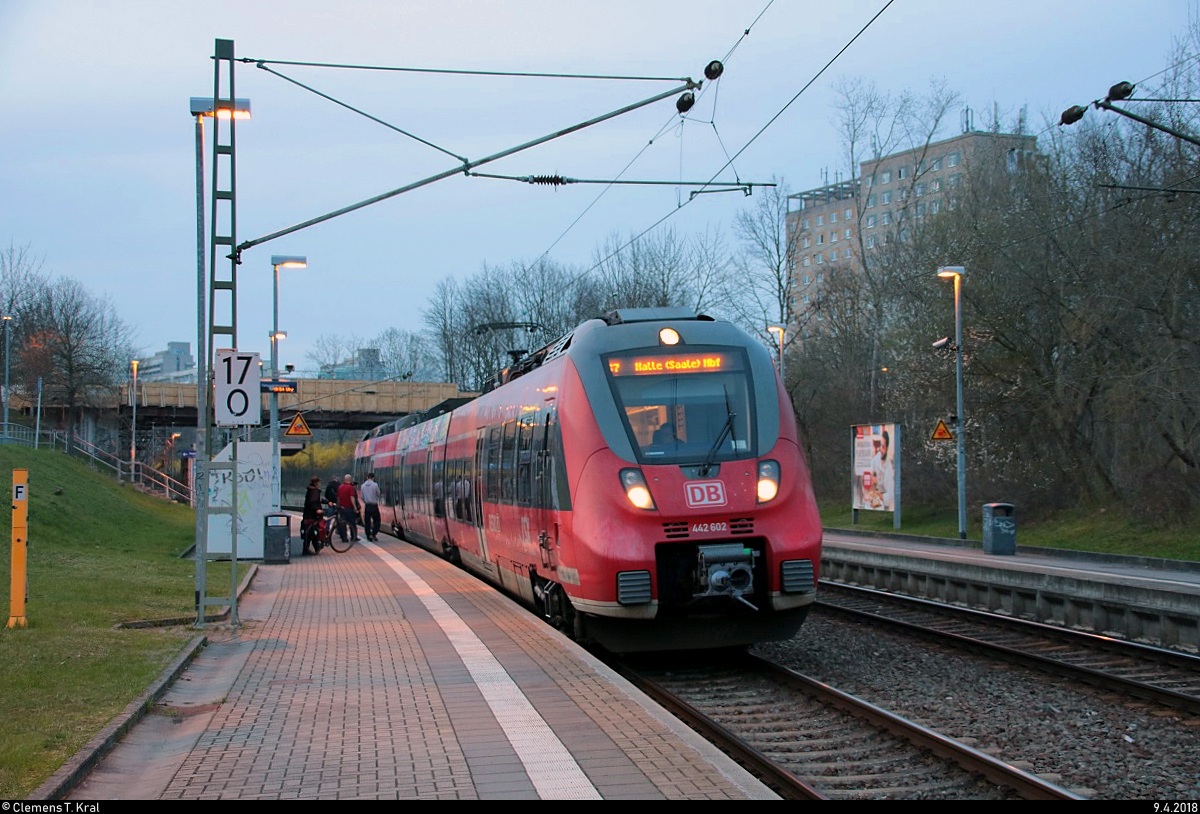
(319,533)
(339,536)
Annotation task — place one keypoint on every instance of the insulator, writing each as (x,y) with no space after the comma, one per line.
(713,69)
(1072,114)
(1119,91)
(684,103)
(548,180)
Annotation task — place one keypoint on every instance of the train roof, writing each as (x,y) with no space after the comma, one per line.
(620,316)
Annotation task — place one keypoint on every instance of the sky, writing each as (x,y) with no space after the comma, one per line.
(98,163)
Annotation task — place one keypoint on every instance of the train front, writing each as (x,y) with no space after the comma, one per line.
(694,516)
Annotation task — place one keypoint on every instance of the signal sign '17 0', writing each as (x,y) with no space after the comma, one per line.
(238,382)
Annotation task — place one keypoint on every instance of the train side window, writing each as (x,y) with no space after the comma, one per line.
(524,461)
(508,462)
(559,493)
(491,471)
(437,484)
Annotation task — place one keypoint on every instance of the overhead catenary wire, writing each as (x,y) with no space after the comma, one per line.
(668,125)
(745,146)
(560,180)
(464,168)
(465,72)
(353,109)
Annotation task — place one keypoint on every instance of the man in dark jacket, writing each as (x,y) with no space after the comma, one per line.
(311,523)
(331,490)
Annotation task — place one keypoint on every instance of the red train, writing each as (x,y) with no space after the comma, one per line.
(638,482)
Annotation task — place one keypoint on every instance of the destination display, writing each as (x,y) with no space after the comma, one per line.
(673,364)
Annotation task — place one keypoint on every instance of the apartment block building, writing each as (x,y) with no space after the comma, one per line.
(834,228)
(175,364)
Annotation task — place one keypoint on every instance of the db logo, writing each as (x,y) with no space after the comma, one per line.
(705,493)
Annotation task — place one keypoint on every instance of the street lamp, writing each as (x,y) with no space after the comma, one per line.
(278,261)
(956,273)
(7,319)
(778,331)
(200,108)
(133,431)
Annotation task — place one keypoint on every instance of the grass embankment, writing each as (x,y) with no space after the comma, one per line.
(99,554)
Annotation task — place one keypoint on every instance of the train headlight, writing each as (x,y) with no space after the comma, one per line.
(636,489)
(768,481)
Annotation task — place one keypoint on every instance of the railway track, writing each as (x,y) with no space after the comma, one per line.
(1167,677)
(807,740)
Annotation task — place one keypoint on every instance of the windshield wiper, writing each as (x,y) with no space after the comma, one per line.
(726,429)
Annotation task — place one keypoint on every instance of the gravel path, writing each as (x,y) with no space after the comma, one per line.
(1096,743)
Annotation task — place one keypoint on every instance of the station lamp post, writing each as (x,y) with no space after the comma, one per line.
(960,424)
(278,261)
(779,332)
(201,108)
(7,319)
(133,429)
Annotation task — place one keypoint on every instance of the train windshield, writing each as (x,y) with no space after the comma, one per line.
(685,405)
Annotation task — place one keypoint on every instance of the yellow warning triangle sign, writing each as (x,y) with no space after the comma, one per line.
(940,433)
(298,427)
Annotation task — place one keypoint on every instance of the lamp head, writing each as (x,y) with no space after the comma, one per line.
(204,106)
(950,272)
(289,261)
(941,343)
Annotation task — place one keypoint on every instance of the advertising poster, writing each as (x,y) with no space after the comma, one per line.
(876,477)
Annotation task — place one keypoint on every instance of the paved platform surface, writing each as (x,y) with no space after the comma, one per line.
(1172,575)
(387,673)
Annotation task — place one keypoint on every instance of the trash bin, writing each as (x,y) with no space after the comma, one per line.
(277,539)
(999,528)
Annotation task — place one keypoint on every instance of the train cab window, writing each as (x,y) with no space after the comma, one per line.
(682,407)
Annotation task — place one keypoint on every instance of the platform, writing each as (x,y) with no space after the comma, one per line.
(388,673)
(1144,599)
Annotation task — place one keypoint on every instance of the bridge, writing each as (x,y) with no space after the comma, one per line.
(333,404)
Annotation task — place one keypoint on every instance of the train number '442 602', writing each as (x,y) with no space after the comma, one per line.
(710,528)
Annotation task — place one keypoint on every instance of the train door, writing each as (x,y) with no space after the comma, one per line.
(477,486)
(428,524)
(542,458)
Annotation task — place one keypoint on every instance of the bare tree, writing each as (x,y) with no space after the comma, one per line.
(76,343)
(20,278)
(406,355)
(444,329)
(661,269)
(330,349)
(761,292)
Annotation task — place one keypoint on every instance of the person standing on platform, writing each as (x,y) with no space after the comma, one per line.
(311,522)
(347,501)
(370,499)
(331,490)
